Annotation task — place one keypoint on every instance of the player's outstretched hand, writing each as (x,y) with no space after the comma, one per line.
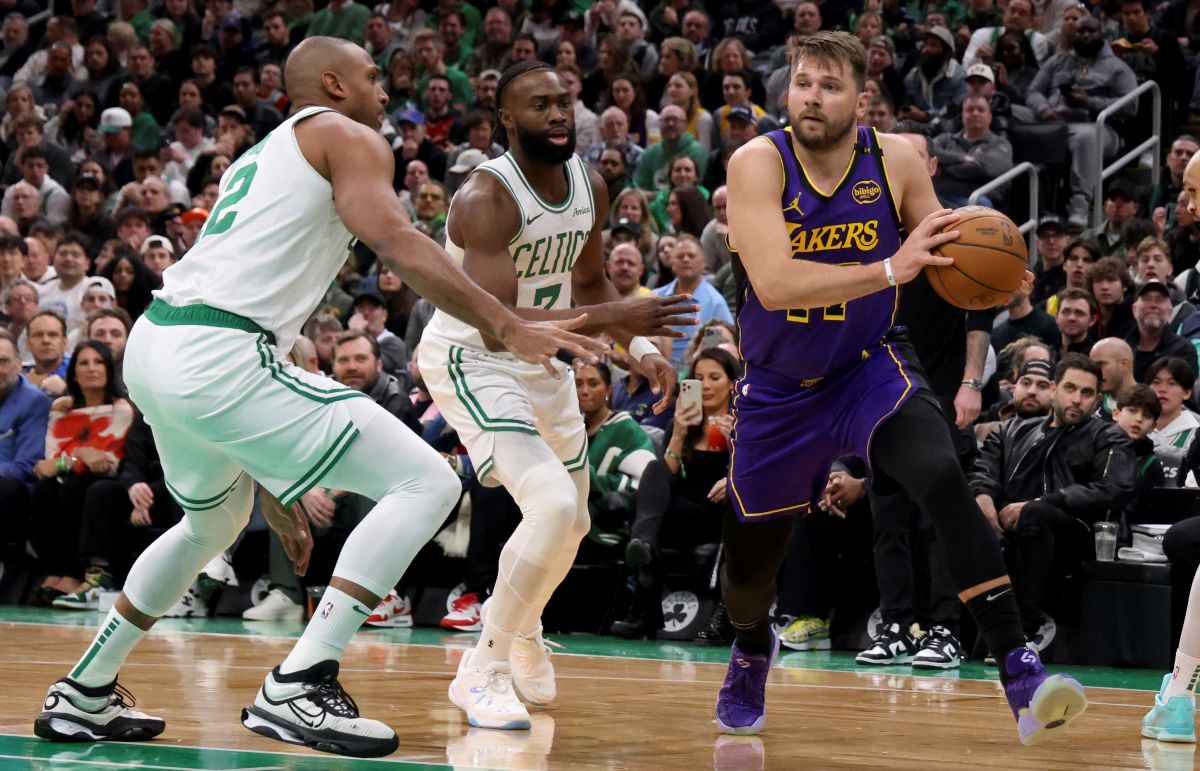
(655,316)
(537,342)
(291,526)
(918,250)
(661,376)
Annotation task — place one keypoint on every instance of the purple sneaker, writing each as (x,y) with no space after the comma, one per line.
(742,701)
(1042,703)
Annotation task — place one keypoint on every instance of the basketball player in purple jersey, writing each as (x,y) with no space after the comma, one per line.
(826,375)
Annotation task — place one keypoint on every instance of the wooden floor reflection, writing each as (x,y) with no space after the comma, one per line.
(612,713)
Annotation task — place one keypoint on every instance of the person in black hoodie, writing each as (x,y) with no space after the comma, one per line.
(1136,414)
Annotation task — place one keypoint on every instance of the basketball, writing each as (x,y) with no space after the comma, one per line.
(990,259)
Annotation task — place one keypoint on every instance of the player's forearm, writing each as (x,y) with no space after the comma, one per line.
(425,266)
(600,317)
(977,348)
(801,284)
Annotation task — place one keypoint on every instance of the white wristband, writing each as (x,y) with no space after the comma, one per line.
(887,269)
(641,346)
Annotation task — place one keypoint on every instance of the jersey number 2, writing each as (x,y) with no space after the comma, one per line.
(222,218)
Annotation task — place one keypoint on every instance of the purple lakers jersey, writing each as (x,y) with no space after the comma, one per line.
(856,223)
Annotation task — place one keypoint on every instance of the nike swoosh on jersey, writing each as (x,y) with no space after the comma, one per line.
(529,220)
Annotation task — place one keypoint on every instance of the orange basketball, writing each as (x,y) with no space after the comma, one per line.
(990,259)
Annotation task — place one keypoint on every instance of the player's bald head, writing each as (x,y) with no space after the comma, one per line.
(1191,183)
(308,62)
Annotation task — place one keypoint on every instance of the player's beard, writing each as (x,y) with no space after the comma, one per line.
(536,147)
(833,132)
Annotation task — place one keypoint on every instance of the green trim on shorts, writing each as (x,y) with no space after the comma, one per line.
(201,504)
(474,408)
(314,475)
(166,315)
(580,460)
(309,391)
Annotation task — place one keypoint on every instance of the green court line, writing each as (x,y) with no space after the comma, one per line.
(585,645)
(26,753)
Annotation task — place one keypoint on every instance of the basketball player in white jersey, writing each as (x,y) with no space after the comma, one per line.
(205,365)
(527,228)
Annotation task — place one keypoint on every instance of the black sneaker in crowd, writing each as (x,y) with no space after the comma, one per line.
(940,649)
(893,645)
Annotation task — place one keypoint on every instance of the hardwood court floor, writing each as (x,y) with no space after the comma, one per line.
(614,712)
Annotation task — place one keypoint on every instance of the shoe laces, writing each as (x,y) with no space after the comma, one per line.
(498,681)
(331,696)
(541,644)
(121,697)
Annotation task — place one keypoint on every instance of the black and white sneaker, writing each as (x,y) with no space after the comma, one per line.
(1044,635)
(893,645)
(76,713)
(311,708)
(940,649)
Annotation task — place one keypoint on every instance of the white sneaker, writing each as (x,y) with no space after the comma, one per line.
(219,572)
(392,611)
(532,670)
(276,606)
(190,605)
(486,694)
(76,713)
(311,708)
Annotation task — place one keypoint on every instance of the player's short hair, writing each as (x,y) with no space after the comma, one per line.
(1076,361)
(1075,293)
(500,134)
(835,47)
(1141,396)
(357,334)
(115,312)
(1177,368)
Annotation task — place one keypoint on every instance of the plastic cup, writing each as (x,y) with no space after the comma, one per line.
(1106,541)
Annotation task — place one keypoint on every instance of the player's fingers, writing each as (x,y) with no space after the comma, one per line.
(548,365)
(932,258)
(661,405)
(934,240)
(937,220)
(572,323)
(683,307)
(680,320)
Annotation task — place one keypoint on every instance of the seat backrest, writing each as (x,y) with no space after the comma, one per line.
(657,435)
(1039,143)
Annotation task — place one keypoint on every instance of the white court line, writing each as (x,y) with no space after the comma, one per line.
(777,666)
(33,762)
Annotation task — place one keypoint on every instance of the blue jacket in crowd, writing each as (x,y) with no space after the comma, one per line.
(24,415)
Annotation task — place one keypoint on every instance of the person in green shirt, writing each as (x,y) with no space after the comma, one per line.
(427,50)
(472,20)
(341,18)
(454,48)
(676,141)
(146,134)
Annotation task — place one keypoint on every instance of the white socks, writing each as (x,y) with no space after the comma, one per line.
(328,633)
(108,651)
(1187,658)
(1183,677)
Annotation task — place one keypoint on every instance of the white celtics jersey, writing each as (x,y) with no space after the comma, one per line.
(273,242)
(544,250)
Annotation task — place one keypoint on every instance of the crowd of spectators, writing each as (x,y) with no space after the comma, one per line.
(119,119)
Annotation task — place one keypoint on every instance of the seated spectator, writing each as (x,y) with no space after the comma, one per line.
(614,132)
(84,443)
(323,330)
(31,133)
(736,90)
(65,293)
(1024,319)
(1031,398)
(131,281)
(1153,338)
(618,453)
(443,123)
(625,269)
(190,140)
(20,303)
(688,266)
(133,226)
(624,92)
(413,144)
(1081,255)
(47,335)
(1048,275)
(1108,281)
(415,175)
(1045,509)
(1076,309)
(1114,357)
(86,213)
(631,393)
(370,316)
(98,294)
(683,91)
(1171,184)
(881,114)
(713,237)
(937,82)
(1074,87)
(1136,413)
(685,207)
(613,171)
(1120,206)
(984,45)
(157,255)
(1153,53)
(262,118)
(111,326)
(971,157)
(631,220)
(24,412)
(1172,383)
(13,252)
(681,497)
(653,170)
(430,209)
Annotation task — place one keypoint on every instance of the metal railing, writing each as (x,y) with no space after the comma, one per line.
(1153,143)
(1029,226)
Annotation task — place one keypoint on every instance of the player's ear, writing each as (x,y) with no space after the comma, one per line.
(333,84)
(506,118)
